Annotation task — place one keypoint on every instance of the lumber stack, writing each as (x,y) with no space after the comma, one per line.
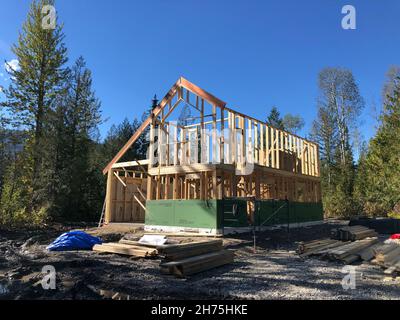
(195,264)
(346,252)
(388,256)
(308,248)
(352,233)
(177,259)
(186,259)
(125,249)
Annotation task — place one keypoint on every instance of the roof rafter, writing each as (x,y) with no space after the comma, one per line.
(181,83)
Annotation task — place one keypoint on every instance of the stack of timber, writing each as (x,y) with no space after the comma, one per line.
(388,257)
(346,252)
(195,264)
(126,249)
(186,259)
(353,233)
(177,259)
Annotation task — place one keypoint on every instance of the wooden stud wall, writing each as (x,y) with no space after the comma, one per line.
(286,166)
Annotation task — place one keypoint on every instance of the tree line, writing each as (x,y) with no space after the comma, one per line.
(51,154)
(50,151)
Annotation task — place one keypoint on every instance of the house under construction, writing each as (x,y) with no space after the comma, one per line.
(210,169)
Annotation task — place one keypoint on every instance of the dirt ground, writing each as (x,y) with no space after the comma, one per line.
(274,271)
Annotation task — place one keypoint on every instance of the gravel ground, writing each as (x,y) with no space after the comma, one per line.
(275,271)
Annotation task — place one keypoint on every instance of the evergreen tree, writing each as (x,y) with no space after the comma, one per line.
(382,166)
(30,99)
(274,118)
(339,106)
(76,120)
(116,138)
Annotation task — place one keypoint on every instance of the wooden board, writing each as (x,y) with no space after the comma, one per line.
(198,263)
(124,249)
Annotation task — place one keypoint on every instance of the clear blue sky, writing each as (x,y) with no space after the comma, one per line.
(251,54)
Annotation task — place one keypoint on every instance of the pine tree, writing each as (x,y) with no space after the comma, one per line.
(30,97)
(75,126)
(274,119)
(116,138)
(382,166)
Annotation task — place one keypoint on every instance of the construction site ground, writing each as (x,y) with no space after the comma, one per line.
(273,271)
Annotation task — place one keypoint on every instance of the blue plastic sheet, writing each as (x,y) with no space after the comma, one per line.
(74,240)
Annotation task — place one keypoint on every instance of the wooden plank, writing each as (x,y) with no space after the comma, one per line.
(135,163)
(119,179)
(214,134)
(124,249)
(191,252)
(142,128)
(198,263)
(139,202)
(108,211)
(200,92)
(222,137)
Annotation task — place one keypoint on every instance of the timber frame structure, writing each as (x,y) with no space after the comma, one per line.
(217,154)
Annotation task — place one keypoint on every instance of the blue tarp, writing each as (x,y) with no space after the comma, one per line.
(74,240)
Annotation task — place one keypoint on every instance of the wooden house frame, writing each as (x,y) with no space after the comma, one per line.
(220,154)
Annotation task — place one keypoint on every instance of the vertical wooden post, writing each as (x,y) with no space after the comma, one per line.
(151,145)
(222,137)
(302,157)
(257,185)
(175,144)
(256,146)
(308,159)
(243,141)
(167,146)
(175,187)
(109,191)
(233,138)
(149,187)
(202,186)
(203,134)
(273,153)
(166,190)
(249,147)
(160,145)
(277,149)
(281,149)
(214,184)
(183,147)
(214,134)
(234,184)
(221,186)
(261,157)
(267,145)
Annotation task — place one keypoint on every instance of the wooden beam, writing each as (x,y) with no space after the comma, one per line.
(200,92)
(108,211)
(139,202)
(143,127)
(222,137)
(119,179)
(136,163)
